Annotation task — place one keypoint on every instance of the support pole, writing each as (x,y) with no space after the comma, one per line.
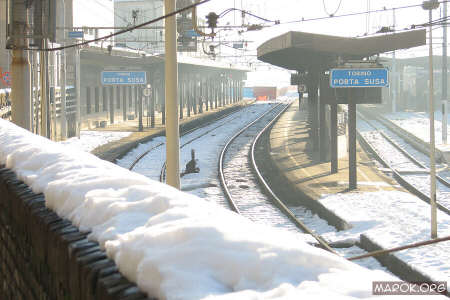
(444,78)
(394,75)
(322,132)
(43,90)
(152,107)
(20,89)
(78,91)
(63,95)
(140,96)
(352,176)
(432,141)
(334,139)
(20,70)
(171,75)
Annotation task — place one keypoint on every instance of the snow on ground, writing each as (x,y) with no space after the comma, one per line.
(89,140)
(393,219)
(418,123)
(175,245)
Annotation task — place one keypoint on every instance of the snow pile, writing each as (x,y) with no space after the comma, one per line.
(89,140)
(172,244)
(392,219)
(418,124)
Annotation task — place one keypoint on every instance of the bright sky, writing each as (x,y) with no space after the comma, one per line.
(296,10)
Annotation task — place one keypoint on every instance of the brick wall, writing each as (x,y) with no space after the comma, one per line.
(45,257)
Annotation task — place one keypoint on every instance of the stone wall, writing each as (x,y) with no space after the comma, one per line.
(45,257)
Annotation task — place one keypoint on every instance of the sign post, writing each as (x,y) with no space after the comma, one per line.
(353,78)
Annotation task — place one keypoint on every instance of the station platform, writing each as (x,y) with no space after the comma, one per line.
(375,212)
(294,156)
(115,150)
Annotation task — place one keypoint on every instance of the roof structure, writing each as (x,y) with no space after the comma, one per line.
(303,51)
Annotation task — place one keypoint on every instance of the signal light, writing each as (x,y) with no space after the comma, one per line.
(211,19)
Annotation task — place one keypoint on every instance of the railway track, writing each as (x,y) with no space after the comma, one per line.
(241,181)
(408,166)
(285,217)
(226,117)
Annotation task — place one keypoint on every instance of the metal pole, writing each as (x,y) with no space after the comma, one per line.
(52,73)
(432,142)
(43,89)
(322,131)
(394,74)
(352,176)
(63,78)
(20,71)
(334,139)
(20,89)
(171,82)
(140,102)
(78,90)
(444,79)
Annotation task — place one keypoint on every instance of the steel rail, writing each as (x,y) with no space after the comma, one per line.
(413,159)
(275,199)
(408,186)
(278,203)
(162,173)
(227,193)
(141,156)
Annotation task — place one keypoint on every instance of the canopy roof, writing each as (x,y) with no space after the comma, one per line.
(301,51)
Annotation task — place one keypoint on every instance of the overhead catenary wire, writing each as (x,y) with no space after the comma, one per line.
(355,13)
(246,12)
(335,12)
(121,31)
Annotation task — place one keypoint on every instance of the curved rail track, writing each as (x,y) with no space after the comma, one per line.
(407,169)
(159,145)
(260,203)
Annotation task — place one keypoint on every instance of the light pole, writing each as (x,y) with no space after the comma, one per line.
(430,5)
(171,82)
(444,78)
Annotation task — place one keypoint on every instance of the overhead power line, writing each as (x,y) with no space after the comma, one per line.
(122,31)
(384,9)
(335,12)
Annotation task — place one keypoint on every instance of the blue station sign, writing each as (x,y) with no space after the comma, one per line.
(354,78)
(124,77)
(75,34)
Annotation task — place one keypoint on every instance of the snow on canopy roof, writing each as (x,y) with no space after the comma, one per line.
(172,244)
(301,50)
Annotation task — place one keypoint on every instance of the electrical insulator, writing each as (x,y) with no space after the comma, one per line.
(211,19)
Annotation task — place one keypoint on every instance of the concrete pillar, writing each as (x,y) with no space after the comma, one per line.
(214,88)
(195,96)
(21,89)
(152,105)
(163,104)
(323,134)
(124,103)
(181,96)
(352,175)
(111,104)
(201,97)
(334,139)
(189,98)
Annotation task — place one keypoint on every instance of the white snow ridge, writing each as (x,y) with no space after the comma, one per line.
(172,244)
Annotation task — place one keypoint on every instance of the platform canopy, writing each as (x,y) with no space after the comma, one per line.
(302,51)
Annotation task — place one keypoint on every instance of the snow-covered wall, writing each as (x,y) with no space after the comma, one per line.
(172,244)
